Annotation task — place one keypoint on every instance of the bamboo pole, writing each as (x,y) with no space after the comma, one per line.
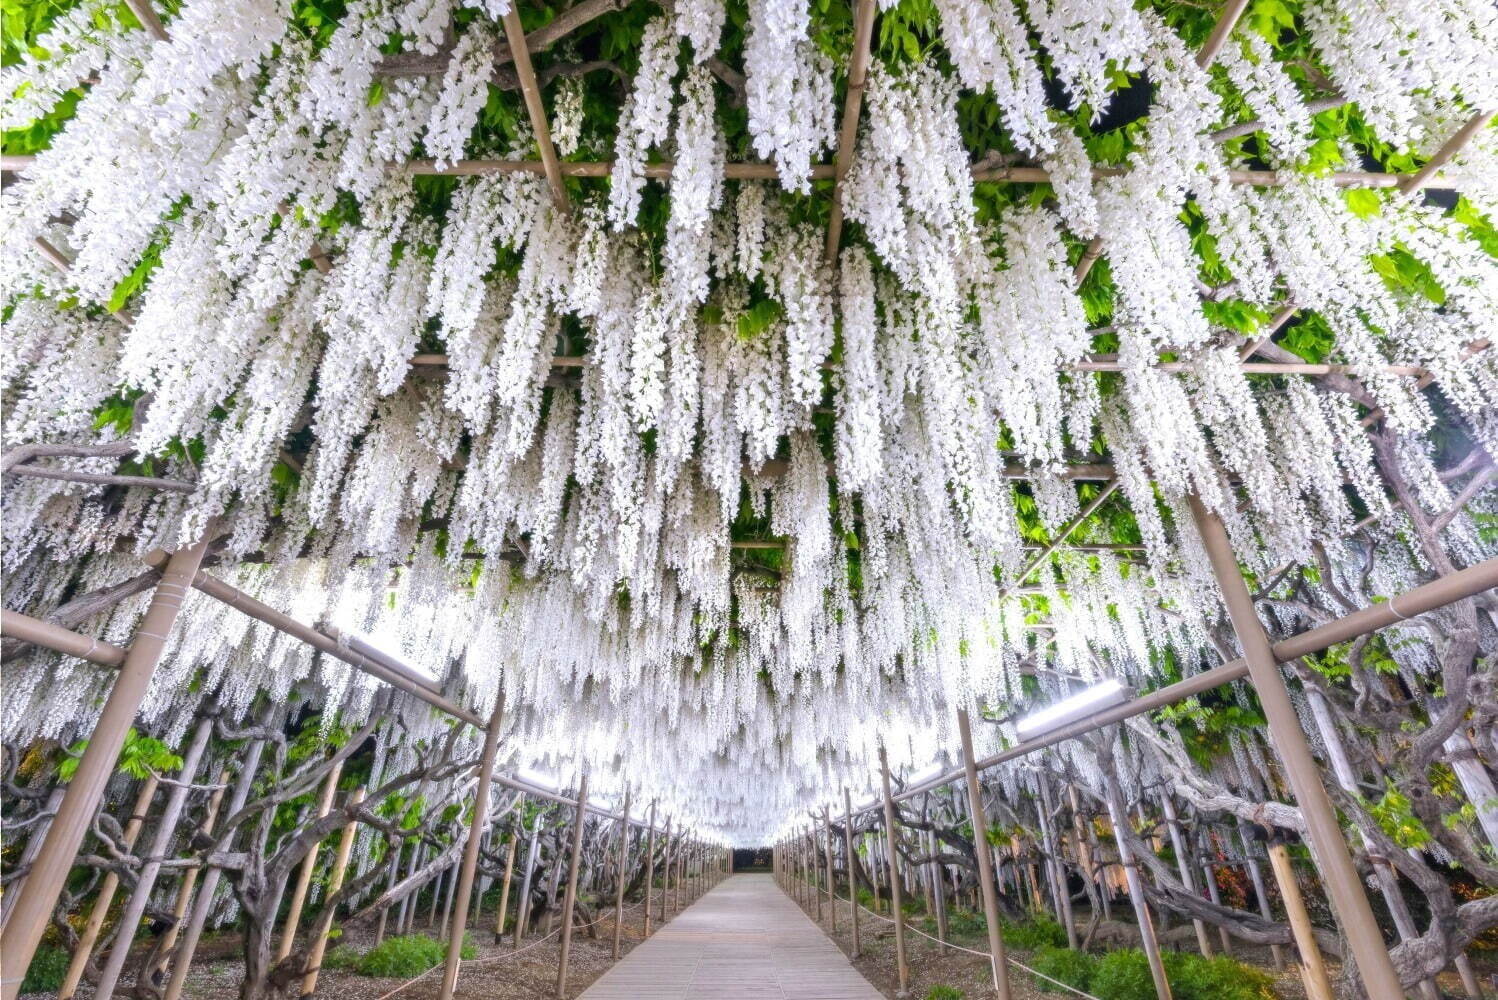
(39,893)
(1340,876)
(649,865)
(1147,940)
(107,890)
(1256,876)
(997,960)
(858,71)
(190,876)
(852,883)
(335,882)
(1058,869)
(1313,966)
(523,902)
(192,931)
(623,869)
(520,53)
(476,828)
(504,889)
(901,964)
(309,866)
(831,882)
(1184,868)
(570,900)
(61,640)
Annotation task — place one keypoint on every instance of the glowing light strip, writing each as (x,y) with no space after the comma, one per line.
(1083,703)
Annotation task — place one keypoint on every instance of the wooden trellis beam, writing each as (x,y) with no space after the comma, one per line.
(847,141)
(534,106)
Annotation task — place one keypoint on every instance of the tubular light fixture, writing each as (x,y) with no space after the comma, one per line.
(1080,705)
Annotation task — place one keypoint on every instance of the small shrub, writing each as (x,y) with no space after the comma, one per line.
(402,957)
(1124,975)
(344,956)
(1195,978)
(1074,968)
(944,993)
(1039,932)
(965,923)
(46,971)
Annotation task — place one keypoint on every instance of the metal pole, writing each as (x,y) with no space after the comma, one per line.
(852,885)
(894,879)
(309,865)
(570,899)
(998,961)
(623,868)
(476,828)
(107,890)
(1344,887)
(335,882)
(39,894)
(649,865)
(166,828)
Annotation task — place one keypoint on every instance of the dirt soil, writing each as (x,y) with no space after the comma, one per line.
(494,974)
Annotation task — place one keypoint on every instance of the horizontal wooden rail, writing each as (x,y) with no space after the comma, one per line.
(61,640)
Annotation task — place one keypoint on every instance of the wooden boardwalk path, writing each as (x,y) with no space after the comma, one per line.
(744,940)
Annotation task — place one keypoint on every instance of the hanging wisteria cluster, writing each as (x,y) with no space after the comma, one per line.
(355,367)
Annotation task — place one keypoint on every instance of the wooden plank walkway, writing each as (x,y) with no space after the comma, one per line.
(744,940)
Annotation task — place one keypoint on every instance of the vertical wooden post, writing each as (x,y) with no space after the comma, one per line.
(504,889)
(1324,833)
(998,961)
(33,909)
(309,865)
(1054,864)
(571,897)
(476,827)
(1136,890)
(666,870)
(623,871)
(193,930)
(938,887)
(894,879)
(1313,966)
(107,890)
(831,882)
(523,901)
(1256,875)
(335,882)
(1183,866)
(649,864)
(166,828)
(852,883)
(189,878)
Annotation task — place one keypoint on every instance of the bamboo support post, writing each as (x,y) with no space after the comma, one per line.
(192,931)
(570,900)
(335,882)
(901,964)
(831,882)
(1147,939)
(649,865)
(623,870)
(1313,966)
(998,961)
(1184,869)
(39,893)
(107,889)
(523,901)
(1340,876)
(309,866)
(504,888)
(190,876)
(476,828)
(852,883)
